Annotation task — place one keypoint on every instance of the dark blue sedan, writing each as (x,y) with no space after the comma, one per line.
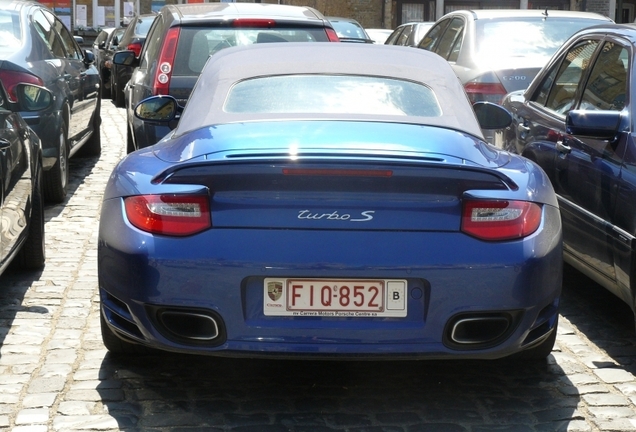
(576,122)
(346,208)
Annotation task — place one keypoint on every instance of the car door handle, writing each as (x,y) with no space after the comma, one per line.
(562,148)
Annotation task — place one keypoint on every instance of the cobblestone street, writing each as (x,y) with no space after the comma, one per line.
(55,374)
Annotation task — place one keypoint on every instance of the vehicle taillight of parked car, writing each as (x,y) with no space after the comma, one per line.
(10,79)
(485,91)
(163,73)
(135,47)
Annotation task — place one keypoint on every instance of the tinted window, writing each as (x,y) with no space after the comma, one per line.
(502,39)
(606,88)
(432,37)
(197,44)
(332,94)
(574,66)
(153,42)
(394,36)
(450,39)
(72,51)
(404,37)
(45,30)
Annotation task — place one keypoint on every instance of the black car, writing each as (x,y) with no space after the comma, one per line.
(103,48)
(349,30)
(37,48)
(576,121)
(133,40)
(184,36)
(21,182)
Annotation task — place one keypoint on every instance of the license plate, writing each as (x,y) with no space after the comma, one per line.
(335,297)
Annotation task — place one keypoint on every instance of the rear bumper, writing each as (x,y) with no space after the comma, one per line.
(449,277)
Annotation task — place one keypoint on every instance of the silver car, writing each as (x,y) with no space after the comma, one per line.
(494,52)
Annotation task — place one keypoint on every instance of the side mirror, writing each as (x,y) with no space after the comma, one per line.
(89,57)
(125,58)
(33,98)
(593,124)
(158,108)
(101,45)
(492,116)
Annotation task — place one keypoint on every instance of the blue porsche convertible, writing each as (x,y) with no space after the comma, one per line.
(342,204)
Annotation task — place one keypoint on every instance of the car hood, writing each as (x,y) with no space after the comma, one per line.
(298,139)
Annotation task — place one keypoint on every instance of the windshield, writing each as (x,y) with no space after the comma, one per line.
(332,94)
(518,37)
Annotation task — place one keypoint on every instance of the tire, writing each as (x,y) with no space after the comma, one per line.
(130,145)
(32,255)
(93,147)
(541,351)
(116,345)
(56,179)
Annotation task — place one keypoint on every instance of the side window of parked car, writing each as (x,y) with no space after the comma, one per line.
(431,39)
(153,42)
(393,37)
(606,88)
(402,40)
(72,51)
(451,40)
(49,36)
(561,96)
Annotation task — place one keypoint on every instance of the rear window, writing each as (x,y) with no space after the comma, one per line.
(197,44)
(10,30)
(525,37)
(332,94)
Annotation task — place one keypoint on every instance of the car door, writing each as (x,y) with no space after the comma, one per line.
(15,179)
(585,171)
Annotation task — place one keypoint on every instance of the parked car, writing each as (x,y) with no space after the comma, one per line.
(497,51)
(37,48)
(575,120)
(378,35)
(184,36)
(409,34)
(132,40)
(103,48)
(341,208)
(21,198)
(349,30)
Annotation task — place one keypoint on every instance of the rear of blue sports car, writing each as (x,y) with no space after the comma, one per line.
(359,240)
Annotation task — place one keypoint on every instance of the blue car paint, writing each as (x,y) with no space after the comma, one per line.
(448,272)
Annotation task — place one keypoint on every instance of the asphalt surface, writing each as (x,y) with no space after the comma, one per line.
(55,374)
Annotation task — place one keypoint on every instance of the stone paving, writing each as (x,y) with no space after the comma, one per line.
(55,374)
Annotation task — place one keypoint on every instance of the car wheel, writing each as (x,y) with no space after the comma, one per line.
(32,255)
(93,147)
(541,351)
(130,145)
(56,179)
(116,345)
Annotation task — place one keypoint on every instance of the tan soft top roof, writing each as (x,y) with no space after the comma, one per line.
(232,65)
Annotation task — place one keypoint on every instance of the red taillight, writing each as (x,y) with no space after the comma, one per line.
(500,220)
(490,92)
(254,22)
(135,47)
(332,36)
(10,79)
(173,215)
(337,172)
(163,73)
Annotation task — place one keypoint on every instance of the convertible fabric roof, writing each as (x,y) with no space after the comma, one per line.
(231,65)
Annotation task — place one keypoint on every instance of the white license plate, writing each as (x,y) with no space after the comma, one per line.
(334,297)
